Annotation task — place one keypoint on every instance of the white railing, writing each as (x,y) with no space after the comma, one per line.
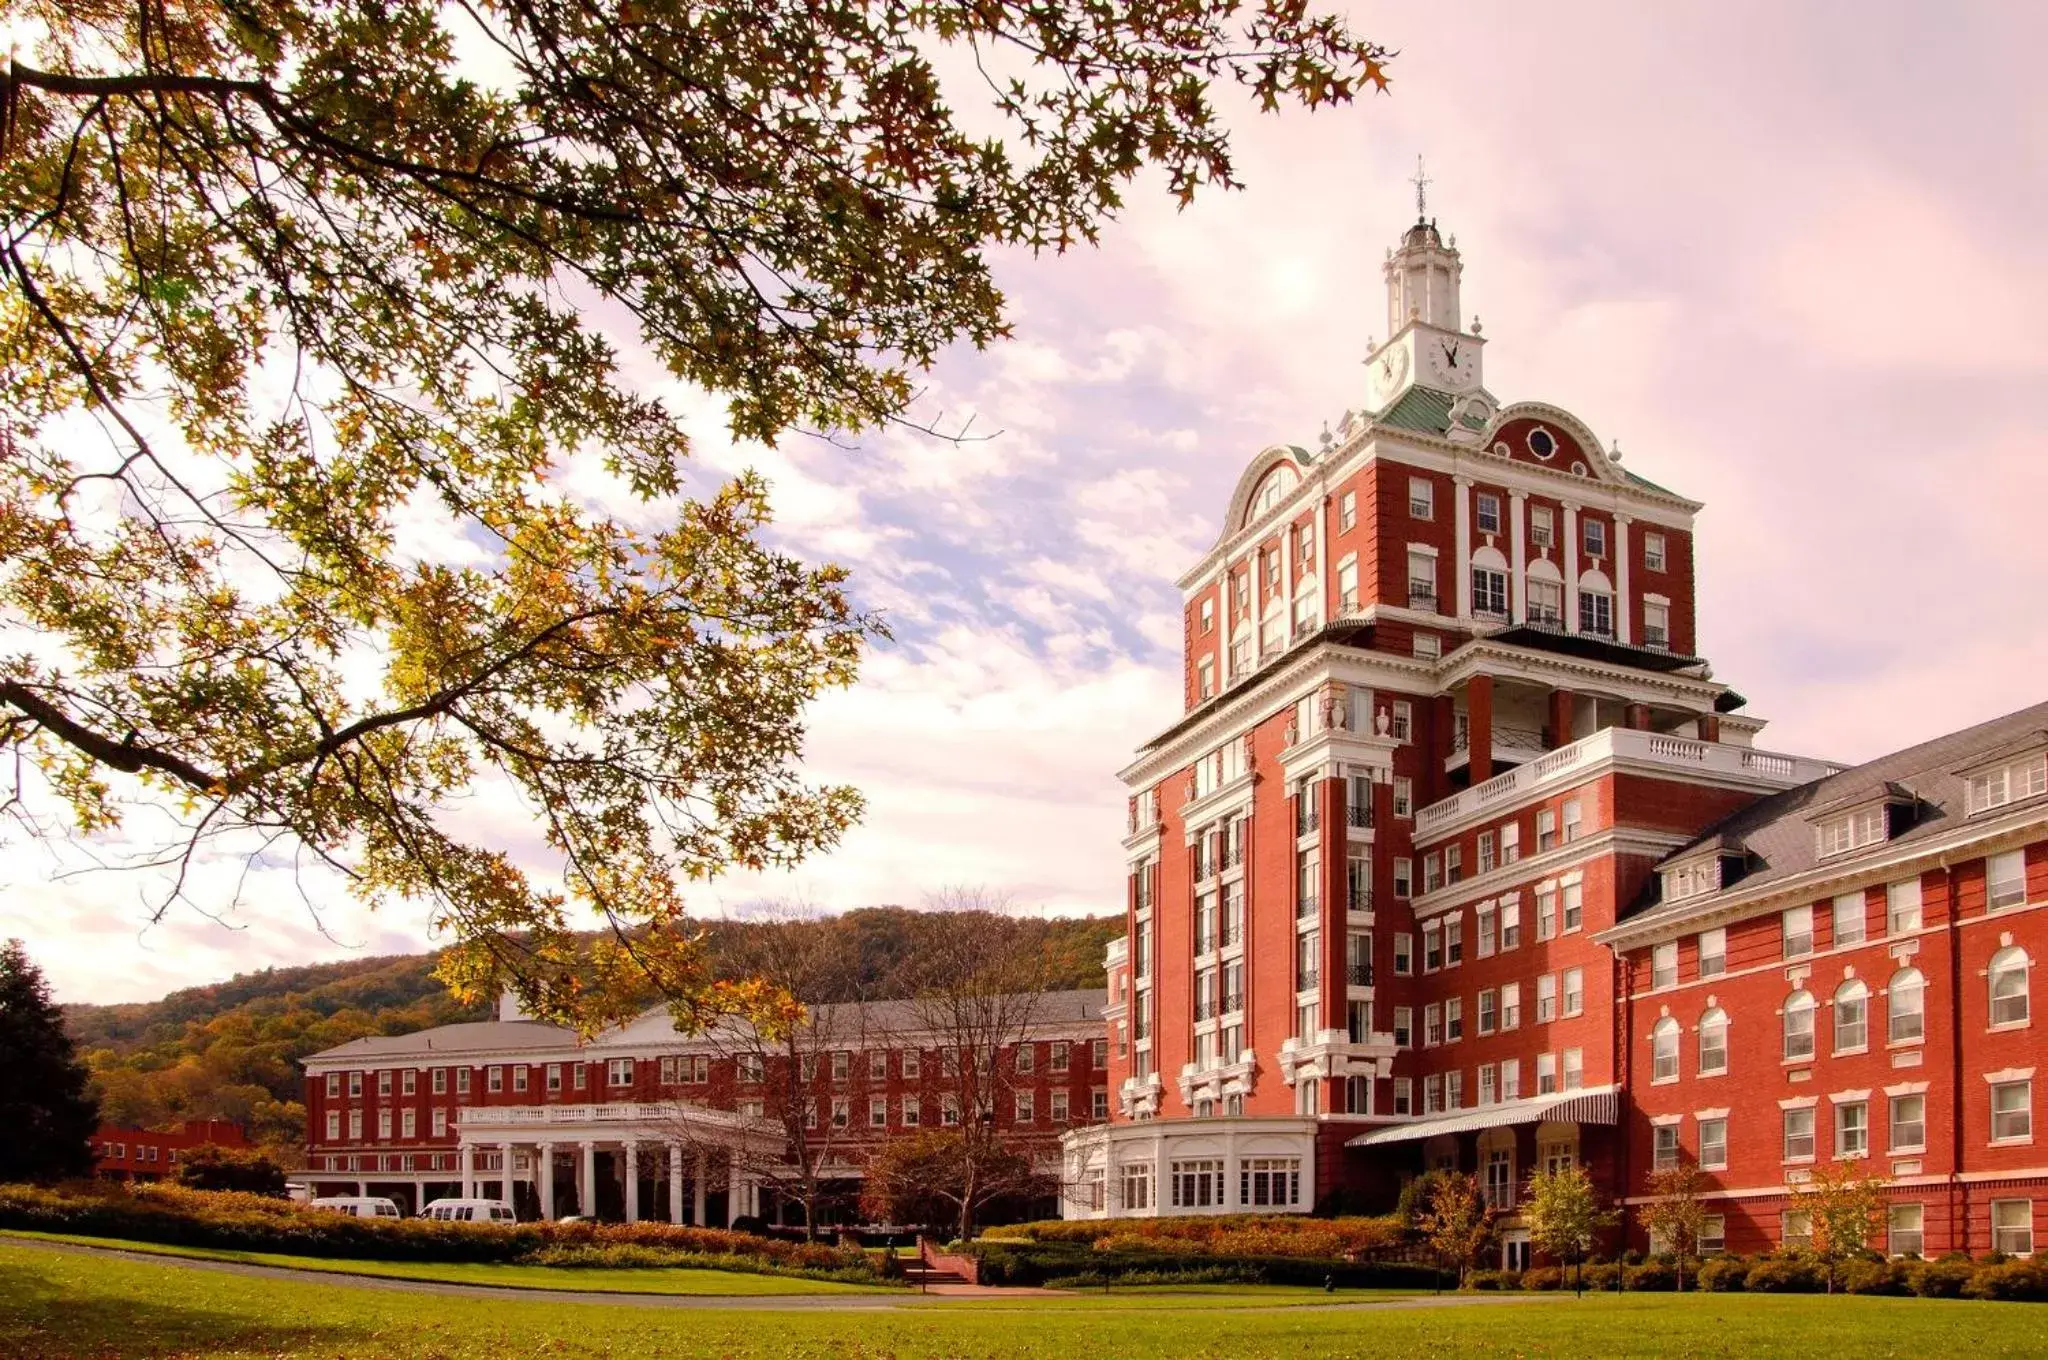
(478,1117)
(1654,748)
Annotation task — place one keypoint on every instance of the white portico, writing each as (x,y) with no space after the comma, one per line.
(668,1158)
(1154,1168)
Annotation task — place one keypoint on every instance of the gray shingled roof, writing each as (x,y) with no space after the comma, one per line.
(1777,833)
(1054,1008)
(477,1036)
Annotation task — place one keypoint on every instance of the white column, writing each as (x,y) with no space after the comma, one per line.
(1568,558)
(1325,610)
(732,1192)
(1621,595)
(698,1187)
(544,1179)
(468,1170)
(586,1182)
(1461,520)
(675,1182)
(362,1189)
(1518,589)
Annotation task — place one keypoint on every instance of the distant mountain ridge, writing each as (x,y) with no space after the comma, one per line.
(230,1050)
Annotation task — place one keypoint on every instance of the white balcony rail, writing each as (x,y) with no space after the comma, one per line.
(1566,762)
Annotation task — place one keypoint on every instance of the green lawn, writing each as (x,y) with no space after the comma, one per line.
(607,1280)
(58,1306)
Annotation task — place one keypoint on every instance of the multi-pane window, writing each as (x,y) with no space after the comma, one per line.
(1713,952)
(1546,829)
(1542,526)
(1432,946)
(842,1112)
(1796,931)
(1404,796)
(440,1123)
(1714,1144)
(1489,1010)
(1197,1184)
(2012,1226)
(1664,1148)
(1421,581)
(1796,1229)
(1546,602)
(1664,965)
(1433,1024)
(1027,1107)
(1487,505)
(1487,933)
(1546,999)
(1454,1090)
(1454,863)
(1546,912)
(1798,1026)
(1906,1223)
(878,1112)
(334,1083)
(2027,778)
(1027,1057)
(1798,1142)
(878,1064)
(355,1085)
(1848,922)
(2012,1111)
(618,1072)
(1489,592)
(1596,613)
(1546,1074)
(1852,1017)
(1061,1055)
(1486,853)
(1404,1026)
(1489,1084)
(1510,1079)
(1653,552)
(519,1077)
(2008,978)
(1595,532)
(1404,953)
(1510,842)
(1570,833)
(1511,1005)
(1347,511)
(1713,1042)
(1454,1020)
(1850,831)
(384,1082)
(1347,586)
(1664,1050)
(2005,880)
(1656,626)
(1574,990)
(494,1079)
(1421,498)
(1573,1060)
(1902,907)
(1454,941)
(1852,1128)
(1269,1181)
(1908,1131)
(1135,1186)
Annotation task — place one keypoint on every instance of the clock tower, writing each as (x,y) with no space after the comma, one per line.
(1427,344)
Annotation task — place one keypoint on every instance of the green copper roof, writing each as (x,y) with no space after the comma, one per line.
(1646,482)
(1419,408)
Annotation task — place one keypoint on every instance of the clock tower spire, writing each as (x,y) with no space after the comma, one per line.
(1427,344)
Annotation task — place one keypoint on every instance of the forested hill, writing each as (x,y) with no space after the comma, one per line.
(231,1050)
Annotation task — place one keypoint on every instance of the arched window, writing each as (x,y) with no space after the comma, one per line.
(2009,987)
(1905,1006)
(1305,602)
(1664,1050)
(1545,603)
(1713,1042)
(1799,1025)
(1852,1017)
(1272,488)
(1489,584)
(1596,604)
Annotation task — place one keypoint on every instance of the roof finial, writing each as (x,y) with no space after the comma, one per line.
(1421,183)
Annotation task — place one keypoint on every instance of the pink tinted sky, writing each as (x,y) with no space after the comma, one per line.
(1788,255)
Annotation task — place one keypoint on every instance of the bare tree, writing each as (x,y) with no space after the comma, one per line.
(780,1070)
(980,980)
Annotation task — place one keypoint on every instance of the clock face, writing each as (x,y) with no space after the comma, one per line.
(1451,360)
(1389,372)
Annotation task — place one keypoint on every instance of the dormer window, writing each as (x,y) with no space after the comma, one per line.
(1851,830)
(2022,779)
(1694,879)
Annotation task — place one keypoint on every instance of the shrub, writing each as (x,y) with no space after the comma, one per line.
(2012,1281)
(1942,1279)
(1724,1274)
(1217,1235)
(1873,1277)
(1784,1275)
(1035,1263)
(1494,1279)
(1653,1276)
(1599,1275)
(1191,1275)
(1547,1277)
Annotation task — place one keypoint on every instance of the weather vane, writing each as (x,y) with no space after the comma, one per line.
(1421,182)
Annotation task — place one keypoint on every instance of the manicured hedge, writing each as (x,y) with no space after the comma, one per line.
(1263,1235)
(1038,1263)
(241,1222)
(1796,1272)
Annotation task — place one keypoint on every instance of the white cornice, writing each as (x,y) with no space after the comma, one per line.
(1509,879)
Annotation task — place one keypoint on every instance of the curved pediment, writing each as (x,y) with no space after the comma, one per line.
(1549,436)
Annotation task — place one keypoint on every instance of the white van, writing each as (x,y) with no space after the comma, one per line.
(470,1211)
(359,1206)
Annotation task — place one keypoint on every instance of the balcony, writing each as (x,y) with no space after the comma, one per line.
(1307,907)
(1576,762)
(1358,816)
(1233,932)
(1308,979)
(1358,900)
(1205,1009)
(1307,819)
(1358,975)
(1543,616)
(1422,597)
(1657,639)
(1233,1002)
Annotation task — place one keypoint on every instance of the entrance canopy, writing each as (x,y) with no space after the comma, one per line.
(1592,1105)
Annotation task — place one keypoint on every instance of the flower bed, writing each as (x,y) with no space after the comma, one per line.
(1263,1235)
(1794,1272)
(240,1222)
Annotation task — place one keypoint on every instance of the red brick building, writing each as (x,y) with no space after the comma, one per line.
(152,1154)
(1447,735)
(643,1122)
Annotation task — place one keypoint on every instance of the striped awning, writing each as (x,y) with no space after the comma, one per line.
(1592,1105)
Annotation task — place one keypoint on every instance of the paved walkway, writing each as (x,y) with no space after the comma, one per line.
(809,1303)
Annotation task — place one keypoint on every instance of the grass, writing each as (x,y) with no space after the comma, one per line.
(59,1306)
(607,1280)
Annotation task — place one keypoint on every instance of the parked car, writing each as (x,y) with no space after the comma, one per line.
(359,1206)
(470,1211)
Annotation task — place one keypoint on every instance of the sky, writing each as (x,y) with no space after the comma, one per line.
(1787,255)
